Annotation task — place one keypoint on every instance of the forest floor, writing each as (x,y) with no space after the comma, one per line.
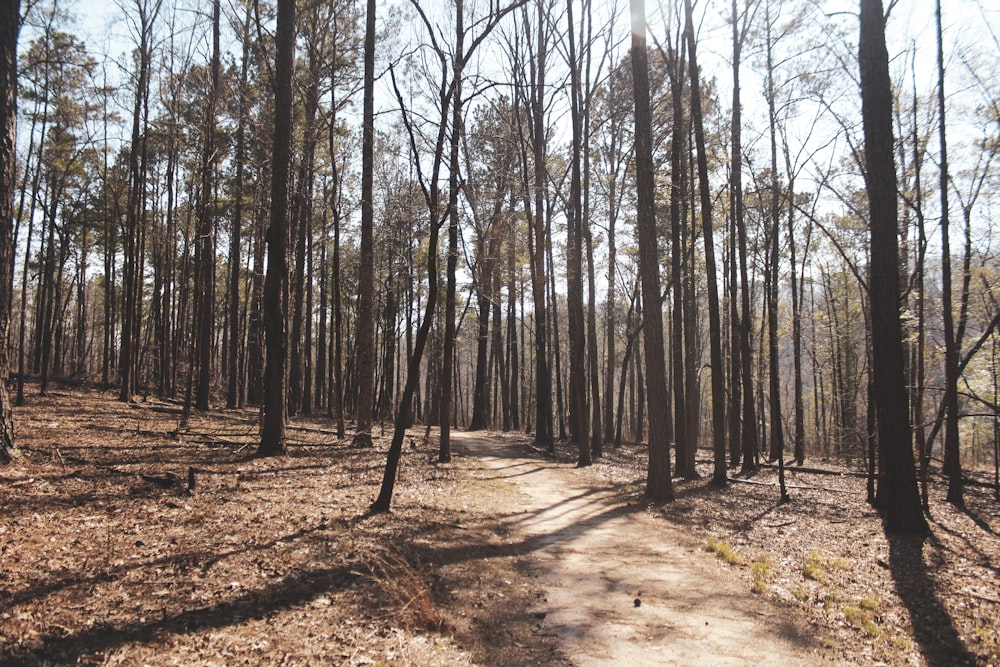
(502,557)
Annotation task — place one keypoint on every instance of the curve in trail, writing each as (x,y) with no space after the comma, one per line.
(623,588)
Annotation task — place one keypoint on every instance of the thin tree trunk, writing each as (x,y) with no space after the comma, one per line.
(235,391)
(543,376)
(777,443)
(448,363)
(205,244)
(682,435)
(715,327)
(365,332)
(514,362)
(952,460)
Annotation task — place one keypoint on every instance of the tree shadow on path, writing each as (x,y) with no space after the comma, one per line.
(933,628)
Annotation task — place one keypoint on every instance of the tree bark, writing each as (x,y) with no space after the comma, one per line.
(658,482)
(714,322)
(897,496)
(10,24)
(543,375)
(579,416)
(365,331)
(205,244)
(275,301)
(952,460)
(131,307)
(235,390)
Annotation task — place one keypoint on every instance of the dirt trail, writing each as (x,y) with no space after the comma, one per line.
(595,556)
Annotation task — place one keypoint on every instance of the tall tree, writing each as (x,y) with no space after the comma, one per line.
(10,24)
(658,483)
(682,436)
(897,497)
(593,358)
(451,264)
(574,263)
(544,436)
(147,11)
(275,302)
(740,31)
(777,440)
(235,387)
(718,373)
(449,87)
(952,461)
(365,334)
(205,244)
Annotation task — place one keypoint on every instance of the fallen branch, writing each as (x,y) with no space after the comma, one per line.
(790,486)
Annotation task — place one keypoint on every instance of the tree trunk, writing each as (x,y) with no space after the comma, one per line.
(514,362)
(205,244)
(658,483)
(365,332)
(777,443)
(897,497)
(10,23)
(682,435)
(736,219)
(579,424)
(234,388)
(714,321)
(593,359)
(448,363)
(952,460)
(130,280)
(543,376)
(275,301)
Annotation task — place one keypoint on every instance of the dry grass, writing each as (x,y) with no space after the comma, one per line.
(407,591)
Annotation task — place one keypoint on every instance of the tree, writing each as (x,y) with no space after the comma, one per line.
(544,436)
(448,363)
(235,386)
(10,23)
(275,306)
(449,101)
(714,321)
(365,336)
(205,244)
(952,460)
(658,483)
(897,497)
(147,10)
(574,263)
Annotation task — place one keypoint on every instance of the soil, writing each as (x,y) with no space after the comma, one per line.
(505,556)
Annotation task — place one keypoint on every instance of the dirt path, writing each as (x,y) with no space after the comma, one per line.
(598,557)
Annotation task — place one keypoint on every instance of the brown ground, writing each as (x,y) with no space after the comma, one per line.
(502,557)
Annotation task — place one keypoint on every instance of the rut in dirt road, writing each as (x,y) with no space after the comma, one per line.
(625,588)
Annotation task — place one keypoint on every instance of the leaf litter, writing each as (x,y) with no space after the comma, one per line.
(275,561)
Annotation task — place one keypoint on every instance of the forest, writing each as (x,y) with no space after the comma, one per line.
(716,252)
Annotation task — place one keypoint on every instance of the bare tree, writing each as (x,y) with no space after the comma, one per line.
(205,243)
(658,483)
(275,302)
(365,334)
(714,320)
(579,427)
(147,11)
(897,496)
(10,24)
(952,460)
